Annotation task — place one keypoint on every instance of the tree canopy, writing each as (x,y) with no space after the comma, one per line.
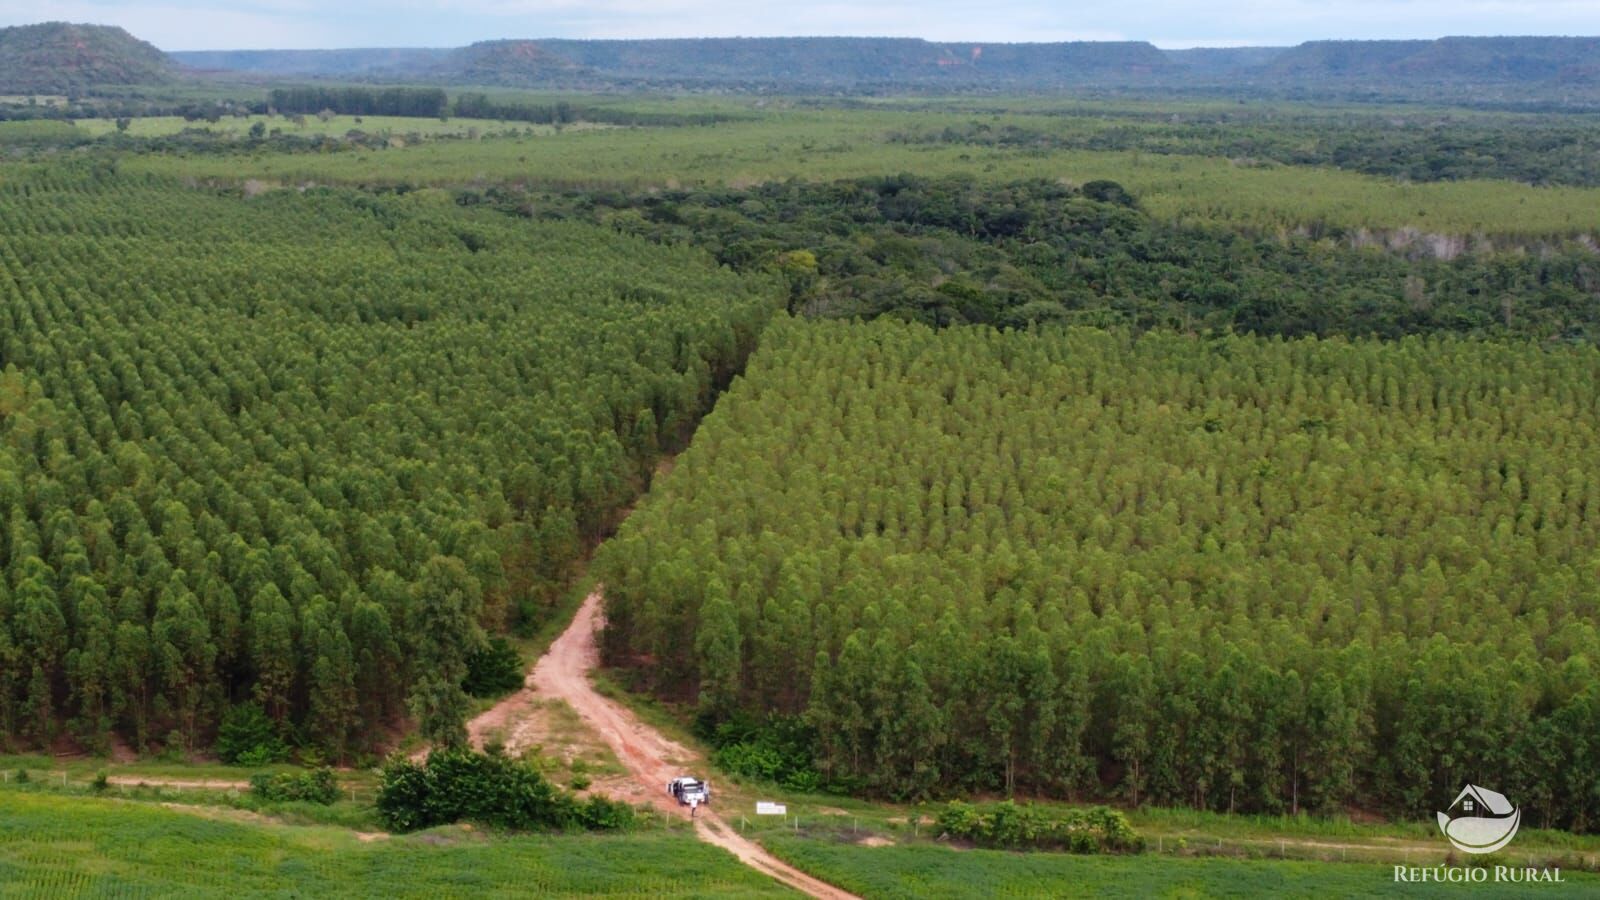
(1234,573)
(305,450)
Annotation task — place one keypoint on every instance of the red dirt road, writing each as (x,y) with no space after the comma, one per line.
(651,758)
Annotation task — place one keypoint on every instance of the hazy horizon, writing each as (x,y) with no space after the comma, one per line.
(192,25)
(557,37)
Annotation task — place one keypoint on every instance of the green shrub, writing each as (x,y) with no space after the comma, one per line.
(248,737)
(403,803)
(601,814)
(1103,191)
(959,819)
(258,756)
(1015,826)
(752,760)
(494,670)
(780,749)
(316,786)
(490,789)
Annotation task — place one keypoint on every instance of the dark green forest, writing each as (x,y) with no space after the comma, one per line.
(306,450)
(1420,145)
(360,101)
(1236,573)
(962,251)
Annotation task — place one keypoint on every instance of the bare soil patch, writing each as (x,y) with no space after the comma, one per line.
(650,758)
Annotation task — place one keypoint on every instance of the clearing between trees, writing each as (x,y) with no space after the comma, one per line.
(650,757)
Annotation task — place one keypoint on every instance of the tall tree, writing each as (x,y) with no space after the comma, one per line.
(443,623)
(270,627)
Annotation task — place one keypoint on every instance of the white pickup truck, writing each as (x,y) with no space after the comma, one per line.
(690,791)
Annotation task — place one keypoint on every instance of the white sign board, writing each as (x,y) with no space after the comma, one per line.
(763,808)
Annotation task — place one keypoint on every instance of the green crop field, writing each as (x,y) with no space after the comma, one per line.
(73,847)
(25,132)
(830,144)
(311,125)
(929,872)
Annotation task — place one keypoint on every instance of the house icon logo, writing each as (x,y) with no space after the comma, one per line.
(1480,820)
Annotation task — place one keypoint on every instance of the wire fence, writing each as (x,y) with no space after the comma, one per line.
(1379,850)
(137,783)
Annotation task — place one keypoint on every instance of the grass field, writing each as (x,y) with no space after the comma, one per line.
(67,847)
(925,871)
(158,126)
(830,144)
(84,768)
(843,822)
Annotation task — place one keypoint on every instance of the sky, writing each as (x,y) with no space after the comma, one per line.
(307,24)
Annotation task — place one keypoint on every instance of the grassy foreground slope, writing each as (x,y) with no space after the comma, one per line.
(53,846)
(924,872)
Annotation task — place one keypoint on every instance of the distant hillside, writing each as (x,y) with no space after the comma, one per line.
(312,62)
(1342,59)
(1223,60)
(1471,60)
(504,63)
(798,62)
(1072,61)
(1515,59)
(57,57)
(801,61)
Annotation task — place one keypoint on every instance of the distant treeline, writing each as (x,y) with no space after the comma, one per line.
(1521,149)
(481,106)
(130,108)
(432,102)
(949,251)
(361,101)
(354,101)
